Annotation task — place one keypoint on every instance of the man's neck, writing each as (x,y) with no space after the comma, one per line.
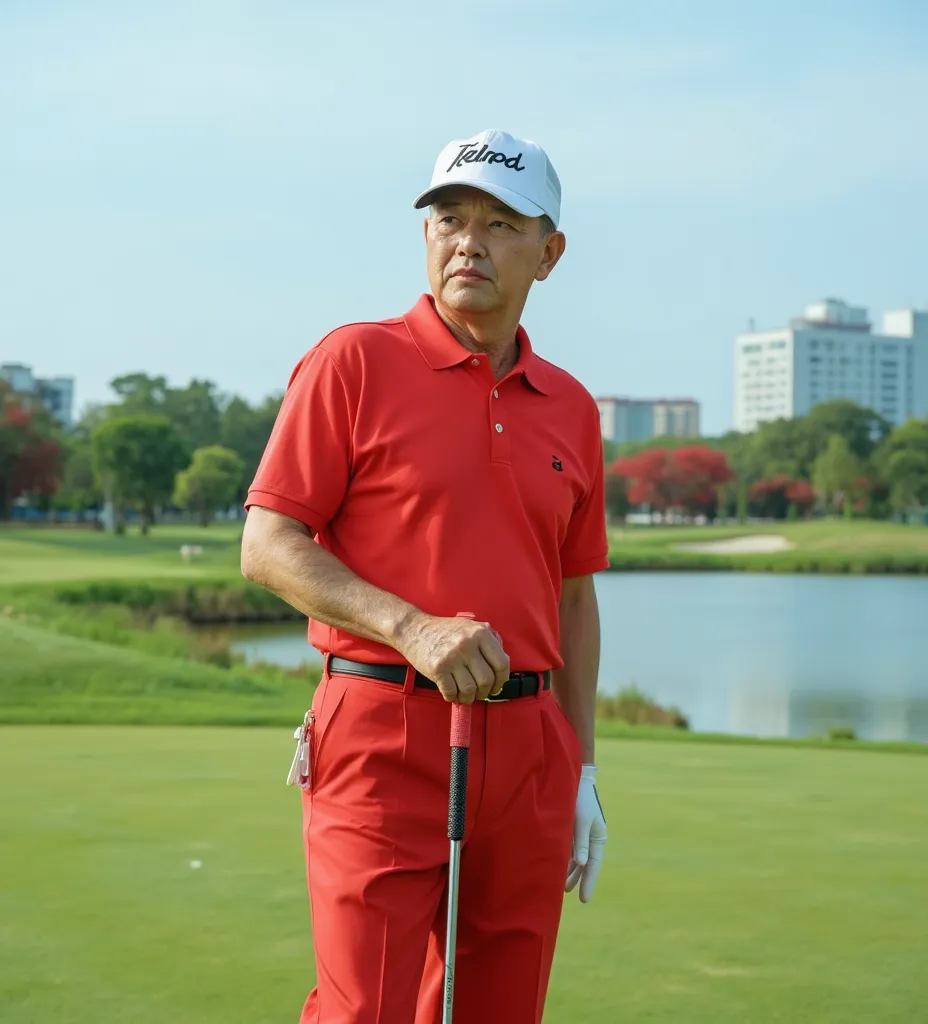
(494,336)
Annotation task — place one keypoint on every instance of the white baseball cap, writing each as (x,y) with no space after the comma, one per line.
(516,171)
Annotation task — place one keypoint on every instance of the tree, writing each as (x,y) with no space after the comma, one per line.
(140,394)
(30,449)
(617,505)
(685,478)
(699,471)
(776,497)
(902,460)
(648,478)
(194,410)
(210,482)
(246,429)
(862,428)
(79,488)
(135,461)
(835,473)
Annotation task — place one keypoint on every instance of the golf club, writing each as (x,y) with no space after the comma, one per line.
(457,798)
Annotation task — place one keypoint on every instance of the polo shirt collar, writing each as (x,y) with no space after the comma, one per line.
(440,349)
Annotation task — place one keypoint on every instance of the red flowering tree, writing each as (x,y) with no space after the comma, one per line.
(681,479)
(30,457)
(649,478)
(801,494)
(772,498)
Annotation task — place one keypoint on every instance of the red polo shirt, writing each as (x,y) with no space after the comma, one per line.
(433,481)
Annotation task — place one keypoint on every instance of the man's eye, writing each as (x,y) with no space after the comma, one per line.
(500,223)
(447,219)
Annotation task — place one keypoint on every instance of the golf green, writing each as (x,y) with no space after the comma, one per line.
(156,874)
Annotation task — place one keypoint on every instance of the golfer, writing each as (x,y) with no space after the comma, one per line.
(422,470)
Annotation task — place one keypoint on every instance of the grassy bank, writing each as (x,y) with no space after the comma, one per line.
(55,677)
(740,884)
(832,546)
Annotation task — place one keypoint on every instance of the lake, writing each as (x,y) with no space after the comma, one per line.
(755,654)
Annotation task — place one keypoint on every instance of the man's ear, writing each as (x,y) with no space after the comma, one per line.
(555,244)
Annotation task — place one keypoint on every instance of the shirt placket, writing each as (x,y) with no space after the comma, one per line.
(496,405)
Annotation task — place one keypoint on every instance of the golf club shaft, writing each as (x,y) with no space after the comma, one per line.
(454,870)
(457,800)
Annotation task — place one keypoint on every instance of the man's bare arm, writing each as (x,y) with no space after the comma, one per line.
(575,683)
(465,658)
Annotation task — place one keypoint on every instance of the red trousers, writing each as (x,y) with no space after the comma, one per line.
(375,829)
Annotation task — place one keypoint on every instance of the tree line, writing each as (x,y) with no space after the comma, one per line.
(191,447)
(840,458)
(153,447)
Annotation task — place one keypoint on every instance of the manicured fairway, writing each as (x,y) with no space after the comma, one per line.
(744,885)
(37,555)
(836,546)
(40,555)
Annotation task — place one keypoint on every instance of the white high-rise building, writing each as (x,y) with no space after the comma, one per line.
(832,352)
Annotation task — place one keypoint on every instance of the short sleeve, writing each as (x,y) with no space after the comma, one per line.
(586,547)
(306,465)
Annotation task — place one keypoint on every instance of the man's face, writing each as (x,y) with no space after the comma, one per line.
(482,255)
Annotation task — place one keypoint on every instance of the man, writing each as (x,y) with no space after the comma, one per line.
(422,469)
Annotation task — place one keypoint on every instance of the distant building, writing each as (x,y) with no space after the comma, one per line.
(55,393)
(638,419)
(832,352)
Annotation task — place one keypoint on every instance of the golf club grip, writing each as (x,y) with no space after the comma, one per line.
(460,749)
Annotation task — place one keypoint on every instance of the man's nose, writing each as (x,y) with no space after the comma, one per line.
(471,244)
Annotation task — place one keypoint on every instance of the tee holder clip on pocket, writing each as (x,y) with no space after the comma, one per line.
(301,768)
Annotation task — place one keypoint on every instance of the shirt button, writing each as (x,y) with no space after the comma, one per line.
(475,361)
(495,394)
(499,428)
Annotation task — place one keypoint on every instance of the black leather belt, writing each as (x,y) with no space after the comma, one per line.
(519,684)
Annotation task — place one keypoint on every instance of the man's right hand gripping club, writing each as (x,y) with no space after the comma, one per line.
(464,657)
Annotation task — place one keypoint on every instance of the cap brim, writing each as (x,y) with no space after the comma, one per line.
(512,199)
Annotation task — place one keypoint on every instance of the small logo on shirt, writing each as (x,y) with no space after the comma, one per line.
(557,464)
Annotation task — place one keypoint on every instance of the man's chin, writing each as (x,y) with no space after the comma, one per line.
(470,298)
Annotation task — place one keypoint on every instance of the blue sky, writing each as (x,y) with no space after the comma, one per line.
(203,190)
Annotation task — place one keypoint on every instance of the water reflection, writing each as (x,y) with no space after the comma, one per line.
(752,654)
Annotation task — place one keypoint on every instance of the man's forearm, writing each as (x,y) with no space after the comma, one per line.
(575,683)
(285,559)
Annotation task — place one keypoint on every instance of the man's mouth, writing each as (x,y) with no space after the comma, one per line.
(469,274)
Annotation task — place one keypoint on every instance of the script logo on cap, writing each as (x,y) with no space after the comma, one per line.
(470,153)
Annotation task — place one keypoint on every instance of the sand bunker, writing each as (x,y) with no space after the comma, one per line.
(762,544)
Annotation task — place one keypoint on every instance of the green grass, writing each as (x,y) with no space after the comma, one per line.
(45,555)
(831,546)
(53,677)
(36,555)
(743,885)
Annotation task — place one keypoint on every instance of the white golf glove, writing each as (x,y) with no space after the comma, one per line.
(589,836)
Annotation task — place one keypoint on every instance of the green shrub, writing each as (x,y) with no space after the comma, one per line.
(637,708)
(207,601)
